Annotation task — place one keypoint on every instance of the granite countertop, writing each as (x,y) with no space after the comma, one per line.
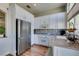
(63,43)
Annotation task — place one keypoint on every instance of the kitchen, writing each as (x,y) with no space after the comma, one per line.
(45,26)
(50,31)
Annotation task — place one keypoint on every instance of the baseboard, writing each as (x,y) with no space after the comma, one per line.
(13,53)
(5,54)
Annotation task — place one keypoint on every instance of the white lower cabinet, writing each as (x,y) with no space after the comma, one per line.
(59,51)
(36,41)
(44,40)
(41,40)
(51,39)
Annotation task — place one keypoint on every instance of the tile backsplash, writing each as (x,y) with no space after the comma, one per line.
(49,31)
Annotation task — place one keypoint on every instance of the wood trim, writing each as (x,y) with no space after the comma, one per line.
(39,45)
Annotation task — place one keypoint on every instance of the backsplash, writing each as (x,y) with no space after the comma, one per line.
(50,31)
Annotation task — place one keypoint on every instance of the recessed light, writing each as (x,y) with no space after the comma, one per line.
(28,6)
(34,4)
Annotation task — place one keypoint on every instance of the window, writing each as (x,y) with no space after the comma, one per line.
(2,24)
(77,21)
(71,23)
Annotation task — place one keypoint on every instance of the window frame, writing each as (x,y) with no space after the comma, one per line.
(5,17)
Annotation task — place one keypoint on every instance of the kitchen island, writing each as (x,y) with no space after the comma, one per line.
(61,47)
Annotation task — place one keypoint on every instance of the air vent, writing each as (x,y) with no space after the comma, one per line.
(28,6)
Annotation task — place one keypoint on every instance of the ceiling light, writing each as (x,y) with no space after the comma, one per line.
(34,4)
(28,6)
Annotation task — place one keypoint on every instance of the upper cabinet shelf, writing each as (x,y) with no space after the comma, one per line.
(72,10)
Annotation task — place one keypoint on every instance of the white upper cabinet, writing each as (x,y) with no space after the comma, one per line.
(37,23)
(53,21)
(61,21)
(41,22)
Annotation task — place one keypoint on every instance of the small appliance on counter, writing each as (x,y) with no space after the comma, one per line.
(71,37)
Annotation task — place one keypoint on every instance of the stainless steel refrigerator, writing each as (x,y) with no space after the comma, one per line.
(23,36)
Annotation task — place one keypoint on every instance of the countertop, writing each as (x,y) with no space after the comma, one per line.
(64,44)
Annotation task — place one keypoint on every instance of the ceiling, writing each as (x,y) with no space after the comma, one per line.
(37,8)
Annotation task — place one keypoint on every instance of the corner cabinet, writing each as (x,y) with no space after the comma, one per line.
(53,21)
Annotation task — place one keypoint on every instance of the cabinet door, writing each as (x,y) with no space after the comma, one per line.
(35,41)
(53,21)
(61,21)
(41,22)
(43,40)
(37,23)
(51,39)
(59,51)
(70,52)
(45,22)
(58,21)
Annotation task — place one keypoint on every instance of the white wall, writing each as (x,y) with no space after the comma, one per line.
(5,42)
(12,28)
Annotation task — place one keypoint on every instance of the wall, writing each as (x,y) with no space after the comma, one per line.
(22,14)
(12,28)
(5,42)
